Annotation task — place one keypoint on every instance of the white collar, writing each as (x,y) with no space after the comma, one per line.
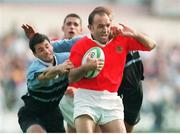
(100,44)
(46,63)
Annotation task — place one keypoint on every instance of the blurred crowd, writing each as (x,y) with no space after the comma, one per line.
(162,87)
(13,64)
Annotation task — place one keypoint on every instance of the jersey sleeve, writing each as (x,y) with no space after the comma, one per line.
(62,57)
(64,45)
(133,44)
(75,58)
(76,55)
(32,74)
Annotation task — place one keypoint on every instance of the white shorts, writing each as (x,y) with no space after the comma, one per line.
(101,106)
(67,109)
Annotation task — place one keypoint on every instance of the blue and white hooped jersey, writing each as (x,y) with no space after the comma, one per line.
(46,90)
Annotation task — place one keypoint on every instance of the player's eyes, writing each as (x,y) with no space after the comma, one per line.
(76,24)
(68,24)
(47,45)
(108,25)
(40,50)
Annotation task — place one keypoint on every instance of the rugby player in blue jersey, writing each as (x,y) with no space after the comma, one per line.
(47,80)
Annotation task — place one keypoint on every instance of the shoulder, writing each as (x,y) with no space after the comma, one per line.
(36,66)
(123,41)
(61,57)
(122,38)
(80,43)
(82,40)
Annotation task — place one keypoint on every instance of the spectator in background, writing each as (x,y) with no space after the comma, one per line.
(72,26)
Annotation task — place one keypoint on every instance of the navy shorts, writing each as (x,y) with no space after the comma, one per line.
(132,101)
(34,112)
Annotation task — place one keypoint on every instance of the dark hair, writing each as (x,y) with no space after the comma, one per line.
(101,11)
(36,39)
(72,15)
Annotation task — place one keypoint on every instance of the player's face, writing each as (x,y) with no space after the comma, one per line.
(72,27)
(44,51)
(100,29)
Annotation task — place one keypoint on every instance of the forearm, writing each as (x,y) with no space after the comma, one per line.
(64,45)
(78,73)
(49,73)
(61,46)
(145,40)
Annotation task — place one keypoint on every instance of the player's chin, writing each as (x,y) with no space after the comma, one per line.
(104,40)
(48,59)
(71,34)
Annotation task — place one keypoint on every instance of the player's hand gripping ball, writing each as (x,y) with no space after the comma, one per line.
(94,52)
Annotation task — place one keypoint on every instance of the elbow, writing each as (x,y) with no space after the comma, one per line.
(153,46)
(71,78)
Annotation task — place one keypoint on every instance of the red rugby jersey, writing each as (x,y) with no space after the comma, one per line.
(115,53)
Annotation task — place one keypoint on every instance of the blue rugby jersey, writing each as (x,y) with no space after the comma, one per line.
(47,91)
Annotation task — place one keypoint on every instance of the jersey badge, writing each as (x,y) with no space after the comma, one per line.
(119,49)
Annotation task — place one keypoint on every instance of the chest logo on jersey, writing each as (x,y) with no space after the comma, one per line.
(119,49)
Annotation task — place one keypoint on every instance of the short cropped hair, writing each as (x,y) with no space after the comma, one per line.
(36,39)
(99,10)
(73,15)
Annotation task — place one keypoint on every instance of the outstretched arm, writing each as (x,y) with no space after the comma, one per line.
(124,30)
(64,45)
(60,69)
(29,31)
(59,46)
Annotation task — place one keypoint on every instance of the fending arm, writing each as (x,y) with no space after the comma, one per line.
(64,45)
(60,69)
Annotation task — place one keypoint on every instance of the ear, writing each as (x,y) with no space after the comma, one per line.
(81,30)
(62,28)
(89,27)
(35,54)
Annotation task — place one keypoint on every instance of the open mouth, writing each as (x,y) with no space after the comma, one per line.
(71,32)
(104,36)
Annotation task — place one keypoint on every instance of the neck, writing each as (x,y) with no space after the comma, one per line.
(98,41)
(53,61)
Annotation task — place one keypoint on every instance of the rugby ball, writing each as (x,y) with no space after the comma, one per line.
(94,52)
